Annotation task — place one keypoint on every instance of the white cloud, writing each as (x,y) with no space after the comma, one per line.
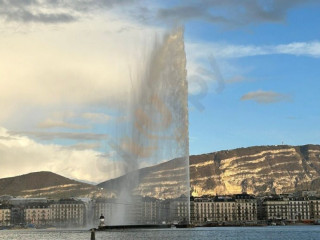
(224,50)
(202,71)
(66,76)
(31,156)
(70,67)
(311,49)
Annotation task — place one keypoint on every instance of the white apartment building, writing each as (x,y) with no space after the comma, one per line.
(292,209)
(298,210)
(37,214)
(5,216)
(314,208)
(68,212)
(240,208)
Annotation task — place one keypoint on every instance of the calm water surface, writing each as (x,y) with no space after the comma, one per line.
(226,233)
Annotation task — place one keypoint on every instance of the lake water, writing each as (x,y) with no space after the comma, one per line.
(225,233)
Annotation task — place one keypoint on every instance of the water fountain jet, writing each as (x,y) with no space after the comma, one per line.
(155,131)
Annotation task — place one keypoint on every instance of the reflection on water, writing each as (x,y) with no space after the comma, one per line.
(226,233)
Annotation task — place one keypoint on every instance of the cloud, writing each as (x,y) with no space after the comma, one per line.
(79,136)
(223,50)
(236,79)
(183,13)
(53,11)
(229,12)
(265,97)
(7,138)
(30,156)
(35,11)
(50,123)
(72,68)
(65,119)
(210,62)
(96,117)
(26,17)
(84,146)
(311,49)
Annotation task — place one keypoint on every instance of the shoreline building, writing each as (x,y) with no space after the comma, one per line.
(151,210)
(68,213)
(290,208)
(239,208)
(38,214)
(105,207)
(5,215)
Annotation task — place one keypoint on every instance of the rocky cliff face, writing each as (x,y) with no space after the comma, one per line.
(256,170)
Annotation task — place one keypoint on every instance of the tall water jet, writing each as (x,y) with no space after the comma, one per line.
(154,131)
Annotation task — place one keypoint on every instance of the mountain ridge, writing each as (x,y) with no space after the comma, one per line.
(43,184)
(256,170)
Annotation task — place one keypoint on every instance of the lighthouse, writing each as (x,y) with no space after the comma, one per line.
(101,224)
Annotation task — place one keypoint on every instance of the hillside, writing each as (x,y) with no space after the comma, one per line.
(256,170)
(44,184)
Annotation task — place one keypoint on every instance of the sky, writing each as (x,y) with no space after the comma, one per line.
(65,67)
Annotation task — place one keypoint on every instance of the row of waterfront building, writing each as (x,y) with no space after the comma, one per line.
(233,210)
(41,212)
(247,209)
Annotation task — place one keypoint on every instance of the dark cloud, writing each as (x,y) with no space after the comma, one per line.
(61,135)
(225,12)
(52,11)
(26,16)
(266,97)
(230,12)
(35,11)
(183,13)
